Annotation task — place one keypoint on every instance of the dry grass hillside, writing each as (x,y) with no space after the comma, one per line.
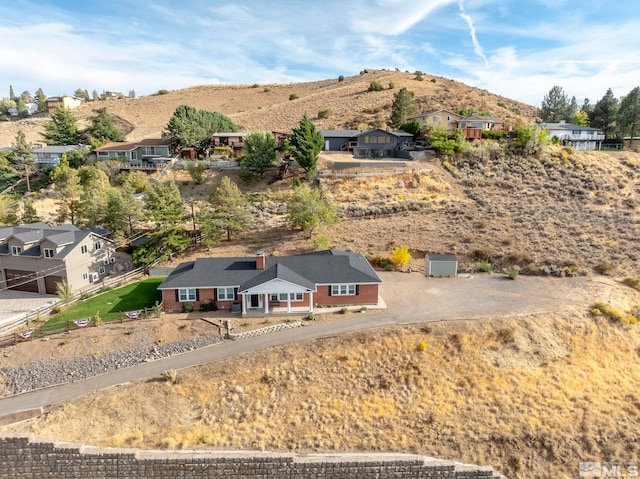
(268,106)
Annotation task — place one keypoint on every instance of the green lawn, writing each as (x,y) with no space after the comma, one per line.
(109,305)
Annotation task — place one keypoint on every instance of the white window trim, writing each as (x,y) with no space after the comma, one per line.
(349,290)
(102,270)
(187,295)
(226,296)
(49,252)
(16,250)
(97,245)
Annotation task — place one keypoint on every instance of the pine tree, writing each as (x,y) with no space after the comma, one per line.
(41,100)
(62,129)
(306,143)
(29,214)
(629,115)
(259,151)
(228,207)
(22,157)
(12,95)
(403,107)
(103,127)
(555,106)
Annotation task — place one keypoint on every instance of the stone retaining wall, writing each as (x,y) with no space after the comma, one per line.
(31,458)
(265,330)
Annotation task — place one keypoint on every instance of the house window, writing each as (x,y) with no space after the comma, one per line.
(102,270)
(296,296)
(49,252)
(16,250)
(284,296)
(85,276)
(103,153)
(187,294)
(226,294)
(84,249)
(343,290)
(97,245)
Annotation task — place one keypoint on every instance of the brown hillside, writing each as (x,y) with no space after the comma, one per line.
(256,107)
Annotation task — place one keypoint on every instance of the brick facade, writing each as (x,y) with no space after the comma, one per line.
(30,458)
(365,294)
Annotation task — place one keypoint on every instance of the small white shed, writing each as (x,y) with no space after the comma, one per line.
(441,265)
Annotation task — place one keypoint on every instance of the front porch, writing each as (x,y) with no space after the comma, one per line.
(261,304)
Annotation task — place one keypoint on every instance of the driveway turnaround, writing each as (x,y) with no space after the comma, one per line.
(411,298)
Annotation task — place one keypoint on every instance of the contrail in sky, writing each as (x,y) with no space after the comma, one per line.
(472,30)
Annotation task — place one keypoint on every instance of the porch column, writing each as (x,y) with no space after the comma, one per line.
(288,302)
(266,303)
(311,301)
(243,303)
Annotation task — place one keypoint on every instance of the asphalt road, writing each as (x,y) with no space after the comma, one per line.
(411,298)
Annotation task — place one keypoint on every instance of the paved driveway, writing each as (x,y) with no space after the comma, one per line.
(14,304)
(411,298)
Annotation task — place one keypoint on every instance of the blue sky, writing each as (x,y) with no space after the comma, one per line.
(516,48)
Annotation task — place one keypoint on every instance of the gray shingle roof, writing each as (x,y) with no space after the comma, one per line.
(33,234)
(566,126)
(307,270)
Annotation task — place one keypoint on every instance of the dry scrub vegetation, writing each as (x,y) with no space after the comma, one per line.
(532,396)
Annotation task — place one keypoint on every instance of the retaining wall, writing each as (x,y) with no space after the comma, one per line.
(31,458)
(265,330)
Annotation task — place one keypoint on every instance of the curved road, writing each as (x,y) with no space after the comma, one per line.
(411,298)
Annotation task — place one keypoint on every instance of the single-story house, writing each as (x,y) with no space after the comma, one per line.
(151,149)
(441,265)
(374,143)
(578,136)
(31,109)
(472,125)
(273,285)
(50,156)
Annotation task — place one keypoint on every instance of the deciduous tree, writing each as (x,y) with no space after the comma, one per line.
(191,127)
(260,152)
(308,208)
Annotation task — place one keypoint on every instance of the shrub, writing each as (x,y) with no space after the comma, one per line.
(58,308)
(187,307)
(391,85)
(162,92)
(324,113)
(293,96)
(603,267)
(266,90)
(343,310)
(197,172)
(209,305)
(494,135)
(613,314)
(632,282)
(421,346)
(96,319)
(341,78)
(401,256)
(321,242)
(375,86)
(170,375)
(512,272)
(255,85)
(419,76)
(484,267)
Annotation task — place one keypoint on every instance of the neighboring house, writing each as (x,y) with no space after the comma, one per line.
(577,136)
(64,101)
(236,140)
(434,117)
(31,109)
(375,143)
(273,285)
(50,156)
(149,150)
(35,257)
(473,125)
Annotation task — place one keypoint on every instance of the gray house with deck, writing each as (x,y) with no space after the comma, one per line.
(373,143)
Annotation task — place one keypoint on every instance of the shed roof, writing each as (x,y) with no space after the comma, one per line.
(442,257)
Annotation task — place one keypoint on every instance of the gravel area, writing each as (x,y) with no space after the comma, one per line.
(51,372)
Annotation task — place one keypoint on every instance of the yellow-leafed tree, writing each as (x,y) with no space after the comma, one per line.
(401,256)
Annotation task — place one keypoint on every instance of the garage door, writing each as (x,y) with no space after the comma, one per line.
(19,280)
(50,284)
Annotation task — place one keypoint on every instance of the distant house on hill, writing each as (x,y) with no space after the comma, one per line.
(374,143)
(472,125)
(577,136)
(149,154)
(63,101)
(31,109)
(50,156)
